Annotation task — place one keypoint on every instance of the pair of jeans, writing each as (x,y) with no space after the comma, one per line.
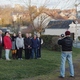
(34,52)
(7,51)
(66,56)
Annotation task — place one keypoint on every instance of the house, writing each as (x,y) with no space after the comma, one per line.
(16,16)
(59,27)
(75,28)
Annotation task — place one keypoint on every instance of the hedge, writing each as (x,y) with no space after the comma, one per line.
(50,42)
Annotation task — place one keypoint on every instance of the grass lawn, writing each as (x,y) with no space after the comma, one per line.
(26,69)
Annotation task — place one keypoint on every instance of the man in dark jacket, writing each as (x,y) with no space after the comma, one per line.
(66,44)
(27,43)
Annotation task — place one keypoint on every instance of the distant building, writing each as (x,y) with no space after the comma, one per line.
(75,28)
(16,15)
(59,27)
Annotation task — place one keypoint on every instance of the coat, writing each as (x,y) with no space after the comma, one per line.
(35,43)
(27,42)
(7,42)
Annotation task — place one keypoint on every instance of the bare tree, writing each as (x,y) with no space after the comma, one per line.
(36,13)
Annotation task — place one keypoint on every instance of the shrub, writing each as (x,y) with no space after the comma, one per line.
(47,41)
(55,45)
(50,42)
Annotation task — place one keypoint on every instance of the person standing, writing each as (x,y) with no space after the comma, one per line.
(27,43)
(30,36)
(34,46)
(1,44)
(19,45)
(7,44)
(66,44)
(40,42)
(14,49)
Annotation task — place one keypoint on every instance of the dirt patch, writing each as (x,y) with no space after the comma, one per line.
(77,72)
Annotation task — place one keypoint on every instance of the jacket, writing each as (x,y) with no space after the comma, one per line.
(19,43)
(7,42)
(66,43)
(27,42)
(35,43)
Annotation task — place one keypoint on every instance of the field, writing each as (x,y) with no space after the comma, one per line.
(33,69)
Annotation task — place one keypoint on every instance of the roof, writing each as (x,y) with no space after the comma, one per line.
(61,24)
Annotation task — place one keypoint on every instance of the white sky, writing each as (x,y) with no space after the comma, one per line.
(60,4)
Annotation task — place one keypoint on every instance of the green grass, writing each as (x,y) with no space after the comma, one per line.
(24,69)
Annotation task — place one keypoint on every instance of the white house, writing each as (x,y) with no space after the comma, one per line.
(75,28)
(59,27)
(54,31)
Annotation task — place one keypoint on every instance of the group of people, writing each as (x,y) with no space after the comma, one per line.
(16,44)
(32,48)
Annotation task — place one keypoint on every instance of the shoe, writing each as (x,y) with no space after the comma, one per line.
(8,59)
(61,77)
(21,59)
(39,58)
(72,76)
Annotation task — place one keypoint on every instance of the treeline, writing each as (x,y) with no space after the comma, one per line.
(26,15)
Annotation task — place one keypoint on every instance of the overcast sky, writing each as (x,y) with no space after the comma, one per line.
(60,4)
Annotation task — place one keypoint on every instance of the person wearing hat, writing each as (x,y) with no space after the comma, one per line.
(7,44)
(66,44)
